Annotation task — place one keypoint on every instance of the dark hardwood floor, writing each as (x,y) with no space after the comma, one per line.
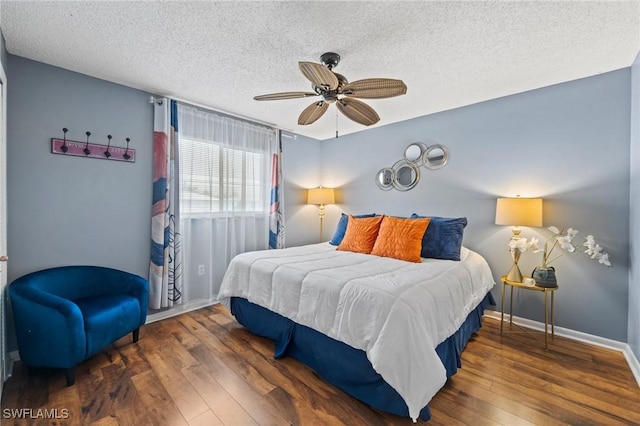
(202,368)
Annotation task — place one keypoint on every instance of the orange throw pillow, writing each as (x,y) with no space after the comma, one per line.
(401,238)
(361,234)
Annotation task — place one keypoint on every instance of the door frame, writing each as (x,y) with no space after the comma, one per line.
(5,359)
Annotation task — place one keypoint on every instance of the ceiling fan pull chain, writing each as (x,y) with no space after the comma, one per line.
(336,124)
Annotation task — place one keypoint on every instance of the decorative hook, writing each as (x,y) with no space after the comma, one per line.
(64,146)
(126,155)
(107,153)
(86,149)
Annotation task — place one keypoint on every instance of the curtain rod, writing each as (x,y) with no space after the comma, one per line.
(156,99)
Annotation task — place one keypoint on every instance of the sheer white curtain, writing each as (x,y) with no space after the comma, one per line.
(225,186)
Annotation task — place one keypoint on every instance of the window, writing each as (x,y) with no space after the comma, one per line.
(216,179)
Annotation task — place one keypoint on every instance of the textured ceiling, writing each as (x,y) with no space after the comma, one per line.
(221,54)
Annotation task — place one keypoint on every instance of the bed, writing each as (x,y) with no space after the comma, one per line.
(386,331)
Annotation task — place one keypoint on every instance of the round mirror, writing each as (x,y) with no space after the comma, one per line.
(384,178)
(435,157)
(406,175)
(415,152)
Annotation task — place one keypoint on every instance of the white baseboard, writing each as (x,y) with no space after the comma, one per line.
(180,309)
(14,356)
(632,360)
(579,336)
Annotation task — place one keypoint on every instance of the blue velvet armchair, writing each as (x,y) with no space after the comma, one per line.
(67,314)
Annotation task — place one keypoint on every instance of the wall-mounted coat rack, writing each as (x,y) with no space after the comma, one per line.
(92,150)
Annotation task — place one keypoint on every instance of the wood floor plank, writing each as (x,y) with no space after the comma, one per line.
(462,383)
(181,333)
(186,398)
(464,414)
(303,412)
(127,405)
(441,418)
(223,359)
(203,368)
(96,393)
(105,421)
(133,359)
(206,419)
(67,403)
(247,396)
(486,411)
(219,401)
(159,405)
(617,397)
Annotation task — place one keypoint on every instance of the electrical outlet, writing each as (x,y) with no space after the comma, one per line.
(200,269)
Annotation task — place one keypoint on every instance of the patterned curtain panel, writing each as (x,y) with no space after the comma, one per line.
(276,216)
(165,274)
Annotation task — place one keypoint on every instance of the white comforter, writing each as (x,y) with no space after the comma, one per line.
(396,311)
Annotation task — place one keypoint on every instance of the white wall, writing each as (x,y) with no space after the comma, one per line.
(634,234)
(568,143)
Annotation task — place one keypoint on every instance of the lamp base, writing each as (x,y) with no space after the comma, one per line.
(321,215)
(514,274)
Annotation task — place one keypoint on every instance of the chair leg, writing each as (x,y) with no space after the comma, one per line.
(136,335)
(70,376)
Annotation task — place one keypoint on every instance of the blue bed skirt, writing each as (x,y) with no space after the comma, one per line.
(341,365)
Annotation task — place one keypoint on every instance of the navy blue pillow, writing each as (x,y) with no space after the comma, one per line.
(443,238)
(342,228)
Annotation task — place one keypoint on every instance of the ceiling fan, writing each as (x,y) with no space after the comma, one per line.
(334,88)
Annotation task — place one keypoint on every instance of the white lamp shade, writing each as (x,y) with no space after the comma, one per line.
(321,196)
(519,211)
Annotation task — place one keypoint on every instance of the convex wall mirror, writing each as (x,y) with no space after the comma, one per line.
(435,157)
(405,174)
(415,153)
(385,178)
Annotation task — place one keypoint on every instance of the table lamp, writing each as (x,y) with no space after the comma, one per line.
(518,212)
(321,196)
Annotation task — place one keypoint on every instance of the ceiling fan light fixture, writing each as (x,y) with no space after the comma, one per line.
(335,88)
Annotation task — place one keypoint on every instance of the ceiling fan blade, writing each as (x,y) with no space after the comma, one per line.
(284,95)
(312,112)
(375,88)
(319,75)
(357,111)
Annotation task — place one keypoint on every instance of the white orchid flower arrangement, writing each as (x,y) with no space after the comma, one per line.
(564,239)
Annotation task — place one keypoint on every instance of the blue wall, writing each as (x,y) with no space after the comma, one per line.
(301,161)
(567,143)
(72,210)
